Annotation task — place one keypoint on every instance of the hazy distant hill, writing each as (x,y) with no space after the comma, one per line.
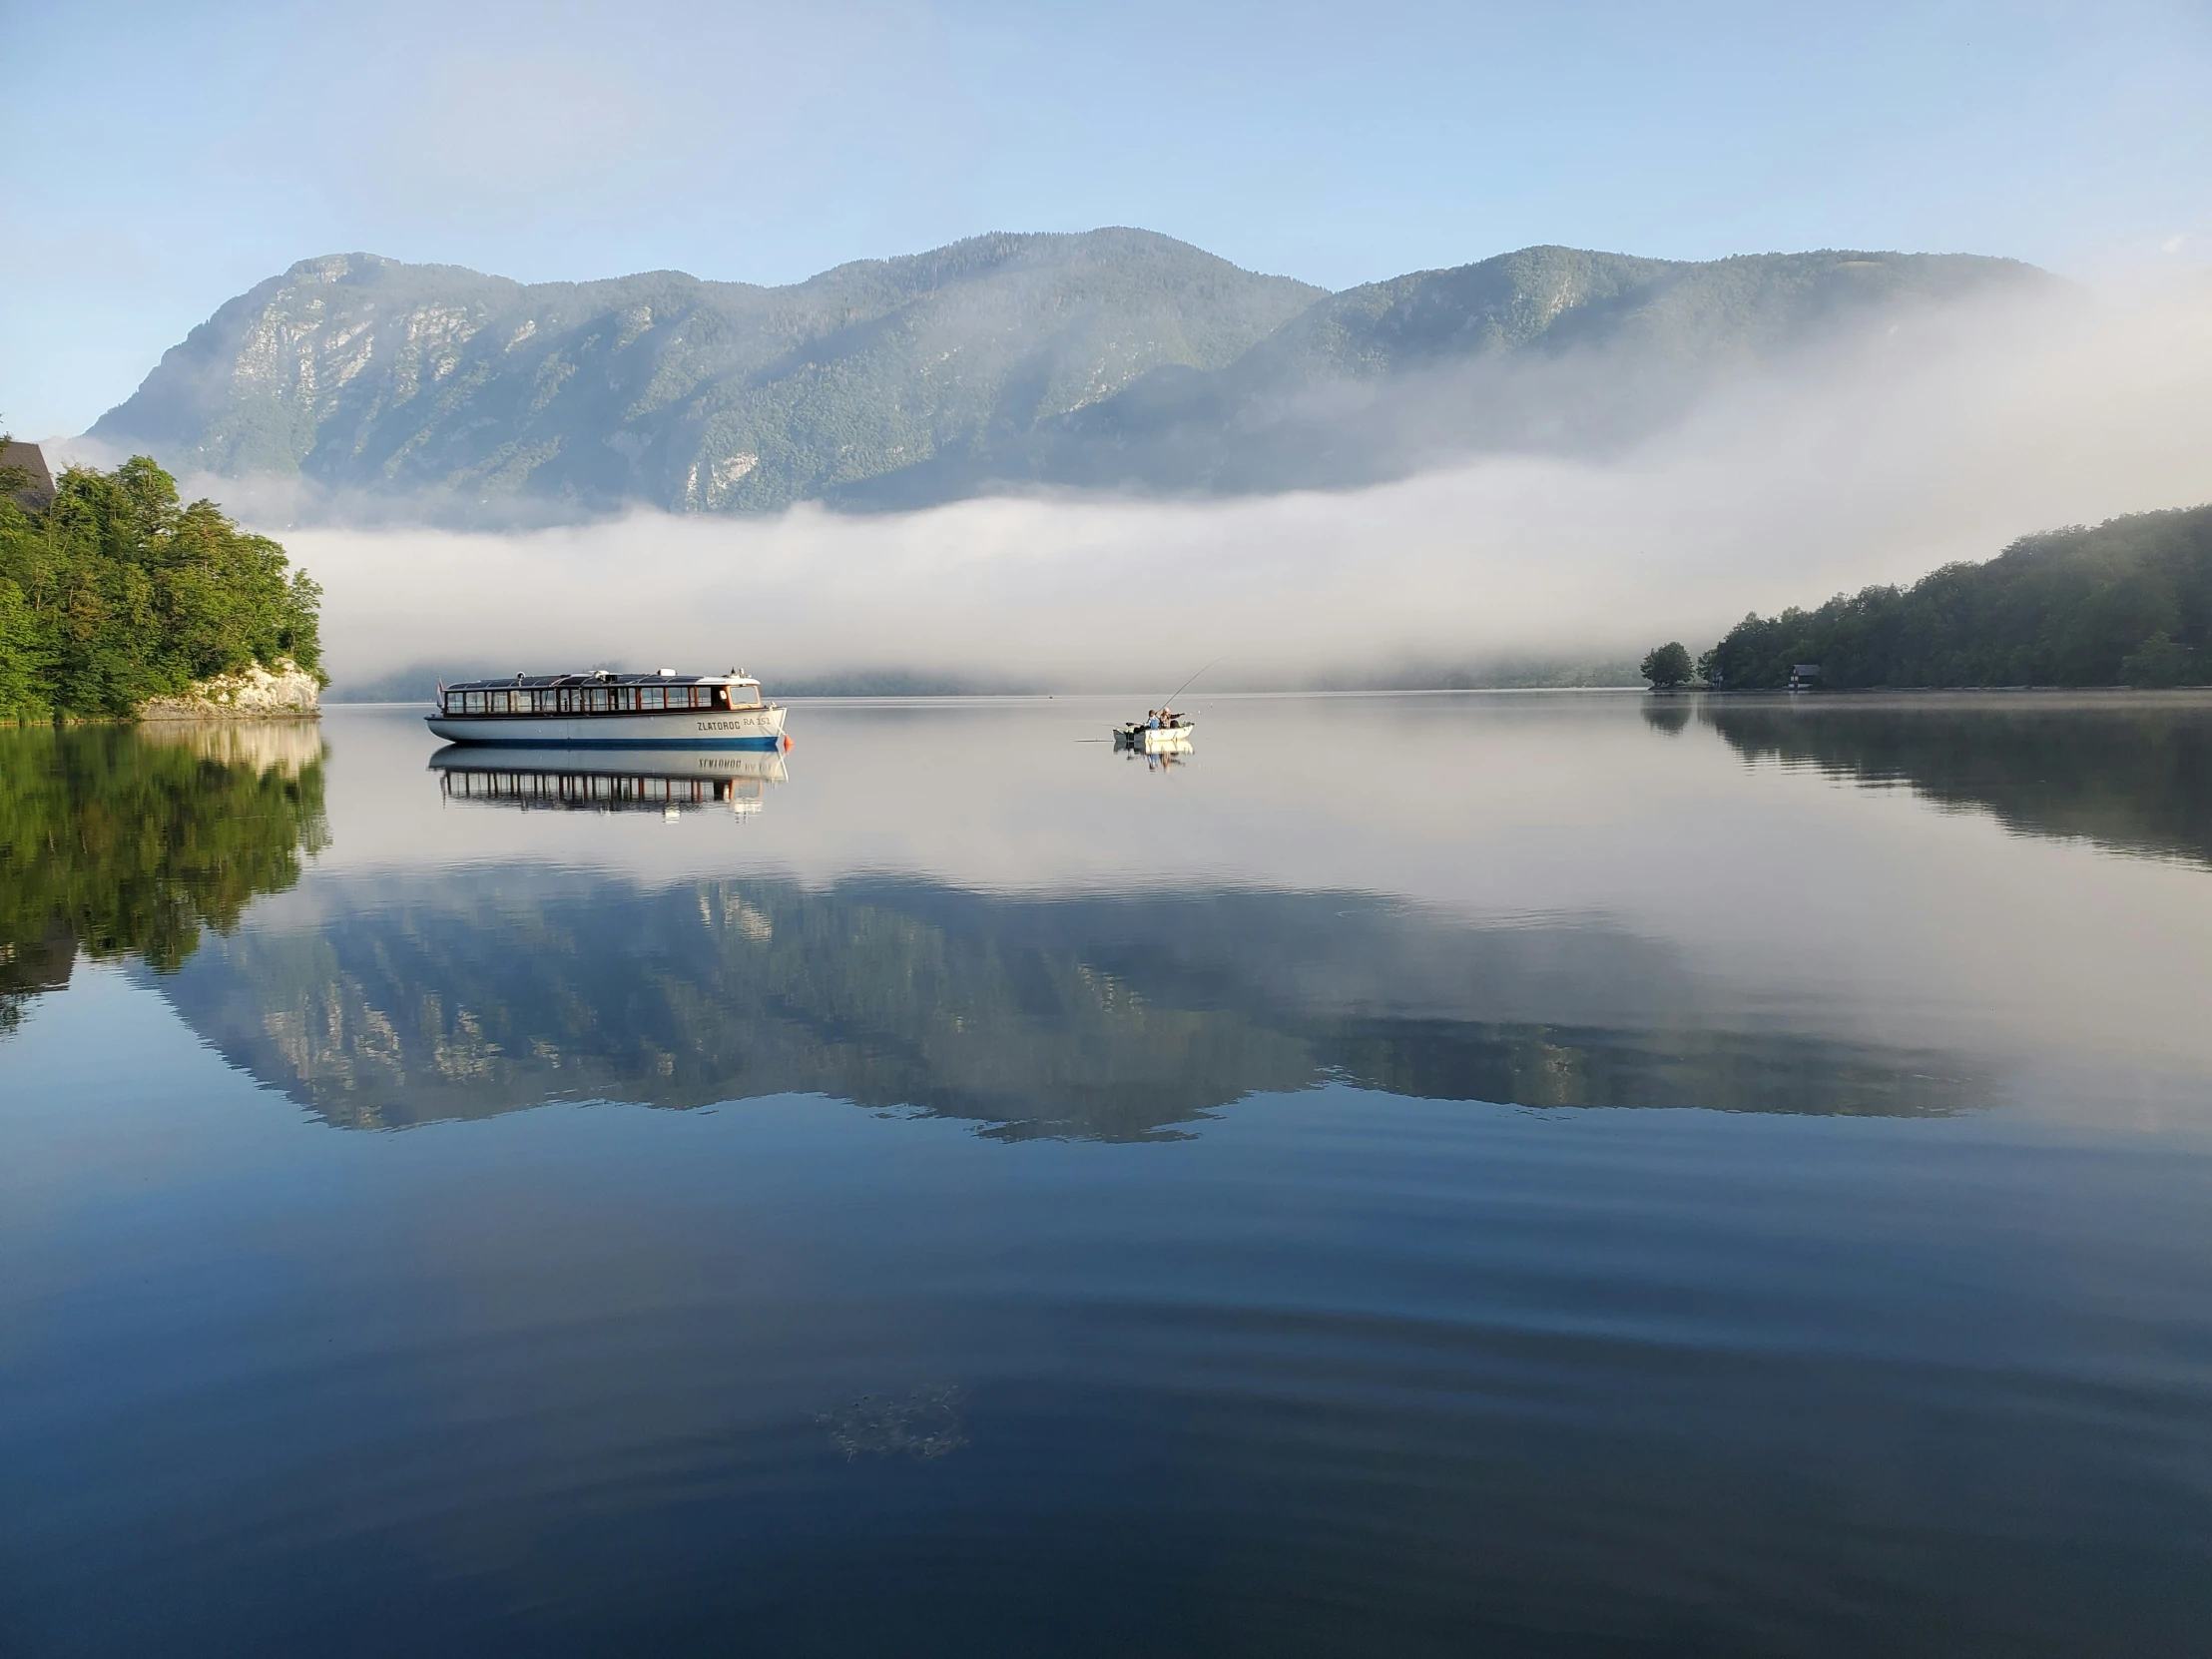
(1549,348)
(1113,359)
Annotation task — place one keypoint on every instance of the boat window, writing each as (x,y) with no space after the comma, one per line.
(744,697)
(652,696)
(472,703)
(595,699)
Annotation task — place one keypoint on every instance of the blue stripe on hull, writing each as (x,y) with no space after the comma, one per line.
(542,742)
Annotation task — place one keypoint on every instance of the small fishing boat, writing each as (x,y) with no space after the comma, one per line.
(666,710)
(1172,731)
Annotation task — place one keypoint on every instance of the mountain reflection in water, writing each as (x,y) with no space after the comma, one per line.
(1065,1015)
(464,982)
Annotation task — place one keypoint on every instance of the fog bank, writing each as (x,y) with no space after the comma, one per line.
(1873,461)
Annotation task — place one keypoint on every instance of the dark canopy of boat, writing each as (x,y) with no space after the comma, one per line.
(543,681)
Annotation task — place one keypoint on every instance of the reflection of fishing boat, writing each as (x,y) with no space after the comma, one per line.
(1164,758)
(609,780)
(620,710)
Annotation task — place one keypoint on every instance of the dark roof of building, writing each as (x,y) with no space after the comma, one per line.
(541,682)
(38,494)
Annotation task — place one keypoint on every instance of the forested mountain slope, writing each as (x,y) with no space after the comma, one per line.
(1114,358)
(2128,602)
(360,371)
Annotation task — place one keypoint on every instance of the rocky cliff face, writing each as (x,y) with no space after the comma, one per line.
(290,693)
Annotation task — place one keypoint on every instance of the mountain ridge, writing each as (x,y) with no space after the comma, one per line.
(1112,359)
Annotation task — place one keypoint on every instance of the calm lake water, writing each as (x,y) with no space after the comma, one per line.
(1516,1174)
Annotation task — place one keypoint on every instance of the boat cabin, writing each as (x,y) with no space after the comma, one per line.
(601,693)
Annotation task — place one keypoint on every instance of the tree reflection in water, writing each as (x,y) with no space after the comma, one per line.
(2130,773)
(127,842)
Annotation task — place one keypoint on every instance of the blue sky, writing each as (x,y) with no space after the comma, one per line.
(166,157)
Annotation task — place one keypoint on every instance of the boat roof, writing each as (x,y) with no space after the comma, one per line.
(540,682)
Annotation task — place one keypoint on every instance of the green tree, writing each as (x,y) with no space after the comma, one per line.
(2159,661)
(1666,665)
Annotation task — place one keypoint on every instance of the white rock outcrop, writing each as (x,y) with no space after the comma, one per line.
(288,692)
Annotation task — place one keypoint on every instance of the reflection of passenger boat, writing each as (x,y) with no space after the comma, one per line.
(609,780)
(622,710)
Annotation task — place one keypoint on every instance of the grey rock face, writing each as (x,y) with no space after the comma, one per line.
(256,693)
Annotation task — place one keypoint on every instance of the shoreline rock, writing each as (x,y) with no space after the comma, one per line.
(288,692)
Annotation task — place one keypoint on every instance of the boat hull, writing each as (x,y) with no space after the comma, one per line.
(1154,740)
(761,728)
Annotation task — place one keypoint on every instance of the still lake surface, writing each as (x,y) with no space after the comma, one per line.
(1547,1174)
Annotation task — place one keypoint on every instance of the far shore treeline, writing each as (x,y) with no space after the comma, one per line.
(113,593)
(2127,603)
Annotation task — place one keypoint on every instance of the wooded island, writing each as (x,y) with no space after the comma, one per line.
(113,595)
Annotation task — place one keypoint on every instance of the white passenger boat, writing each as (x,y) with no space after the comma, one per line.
(602,780)
(623,710)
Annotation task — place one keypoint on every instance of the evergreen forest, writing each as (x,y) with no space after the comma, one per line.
(2125,603)
(116,592)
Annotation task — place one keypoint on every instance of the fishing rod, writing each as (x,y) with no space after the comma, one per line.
(1188,684)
